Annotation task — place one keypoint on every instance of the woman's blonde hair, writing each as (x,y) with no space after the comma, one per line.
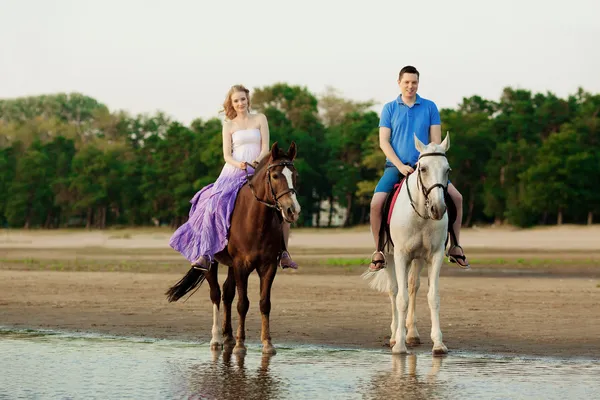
(230,112)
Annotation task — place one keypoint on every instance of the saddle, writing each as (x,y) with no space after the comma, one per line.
(385,240)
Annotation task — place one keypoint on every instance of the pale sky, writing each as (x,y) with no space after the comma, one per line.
(181,56)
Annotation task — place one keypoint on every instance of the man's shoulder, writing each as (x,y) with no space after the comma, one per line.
(427,102)
(390,105)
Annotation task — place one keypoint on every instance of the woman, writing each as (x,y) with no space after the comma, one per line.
(245,143)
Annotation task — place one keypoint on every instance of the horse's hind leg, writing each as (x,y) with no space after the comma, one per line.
(267,275)
(215,296)
(414,281)
(241,281)
(228,295)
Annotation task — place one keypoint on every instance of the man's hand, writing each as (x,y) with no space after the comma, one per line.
(406,170)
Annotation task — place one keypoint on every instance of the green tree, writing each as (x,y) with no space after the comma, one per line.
(470,149)
(344,168)
(28,190)
(547,181)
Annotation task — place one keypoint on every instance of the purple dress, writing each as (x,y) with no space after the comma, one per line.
(207,229)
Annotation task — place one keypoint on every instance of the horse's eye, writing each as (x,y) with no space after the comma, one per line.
(275,176)
(423,169)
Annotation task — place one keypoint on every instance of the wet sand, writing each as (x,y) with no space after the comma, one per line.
(503,309)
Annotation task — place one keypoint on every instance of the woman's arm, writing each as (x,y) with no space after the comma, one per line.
(227,152)
(264,137)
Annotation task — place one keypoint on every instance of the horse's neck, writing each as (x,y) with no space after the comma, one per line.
(259,184)
(262,214)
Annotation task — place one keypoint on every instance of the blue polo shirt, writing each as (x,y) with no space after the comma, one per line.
(404,121)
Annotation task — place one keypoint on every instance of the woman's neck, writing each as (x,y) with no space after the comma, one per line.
(243,116)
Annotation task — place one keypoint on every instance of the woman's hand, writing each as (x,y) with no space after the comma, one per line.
(243,165)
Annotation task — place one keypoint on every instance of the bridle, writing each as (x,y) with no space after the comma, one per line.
(426,191)
(276,205)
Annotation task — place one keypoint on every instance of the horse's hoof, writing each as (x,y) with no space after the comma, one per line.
(440,350)
(413,341)
(269,349)
(399,349)
(239,350)
(216,346)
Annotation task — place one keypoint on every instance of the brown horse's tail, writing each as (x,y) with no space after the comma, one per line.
(190,281)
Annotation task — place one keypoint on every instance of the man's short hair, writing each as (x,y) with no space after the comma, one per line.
(409,69)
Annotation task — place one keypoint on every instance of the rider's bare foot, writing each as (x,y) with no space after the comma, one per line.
(287,262)
(456,255)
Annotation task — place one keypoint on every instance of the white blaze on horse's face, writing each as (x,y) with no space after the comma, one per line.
(433,170)
(293,212)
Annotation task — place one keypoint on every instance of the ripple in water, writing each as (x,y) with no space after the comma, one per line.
(49,365)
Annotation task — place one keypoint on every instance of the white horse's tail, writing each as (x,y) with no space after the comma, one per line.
(383,280)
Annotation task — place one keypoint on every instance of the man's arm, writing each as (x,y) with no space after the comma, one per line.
(385,145)
(435,125)
(385,134)
(388,150)
(435,134)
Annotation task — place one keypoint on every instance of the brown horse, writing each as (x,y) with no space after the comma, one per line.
(255,243)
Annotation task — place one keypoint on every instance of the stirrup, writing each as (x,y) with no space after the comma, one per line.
(455,258)
(377,262)
(202,264)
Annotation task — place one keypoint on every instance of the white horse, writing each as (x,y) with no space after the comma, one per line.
(418,229)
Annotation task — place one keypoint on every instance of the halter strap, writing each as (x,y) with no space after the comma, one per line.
(424,190)
(431,154)
(275,196)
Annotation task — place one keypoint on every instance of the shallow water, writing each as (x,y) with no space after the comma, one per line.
(50,365)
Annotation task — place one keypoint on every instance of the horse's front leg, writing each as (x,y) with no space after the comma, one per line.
(414,281)
(401,265)
(228,296)
(393,293)
(241,281)
(433,298)
(394,326)
(267,276)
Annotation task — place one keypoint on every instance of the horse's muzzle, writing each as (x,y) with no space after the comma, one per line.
(437,213)
(290,214)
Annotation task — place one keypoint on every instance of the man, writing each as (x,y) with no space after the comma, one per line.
(400,119)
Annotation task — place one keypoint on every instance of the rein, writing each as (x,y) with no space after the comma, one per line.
(424,190)
(275,196)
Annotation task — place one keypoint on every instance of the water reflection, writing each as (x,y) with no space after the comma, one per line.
(226,376)
(100,367)
(403,379)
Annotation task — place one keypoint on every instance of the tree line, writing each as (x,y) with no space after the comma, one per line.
(67,160)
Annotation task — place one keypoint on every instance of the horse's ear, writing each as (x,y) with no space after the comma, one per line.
(274,151)
(292,151)
(446,143)
(418,144)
